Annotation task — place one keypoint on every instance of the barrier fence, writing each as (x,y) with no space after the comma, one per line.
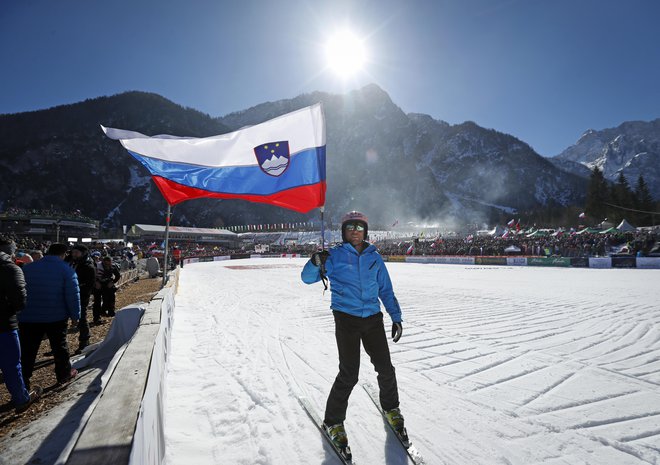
(564,262)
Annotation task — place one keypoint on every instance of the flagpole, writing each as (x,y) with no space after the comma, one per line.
(322,229)
(167,241)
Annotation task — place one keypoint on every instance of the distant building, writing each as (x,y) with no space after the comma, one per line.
(156,233)
(48,227)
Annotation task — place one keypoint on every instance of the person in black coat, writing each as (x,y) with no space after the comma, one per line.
(12,300)
(86,271)
(107,276)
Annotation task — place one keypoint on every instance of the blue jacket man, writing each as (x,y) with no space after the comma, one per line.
(53,297)
(358,279)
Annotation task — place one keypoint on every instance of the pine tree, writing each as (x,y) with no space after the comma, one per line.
(597,196)
(623,197)
(644,201)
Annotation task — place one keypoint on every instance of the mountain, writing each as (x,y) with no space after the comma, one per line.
(632,148)
(394,164)
(380,159)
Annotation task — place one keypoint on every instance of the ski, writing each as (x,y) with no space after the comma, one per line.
(311,413)
(412,451)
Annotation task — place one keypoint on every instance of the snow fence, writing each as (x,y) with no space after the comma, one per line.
(565,262)
(574,262)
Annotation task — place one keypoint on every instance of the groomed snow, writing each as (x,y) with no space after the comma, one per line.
(497,365)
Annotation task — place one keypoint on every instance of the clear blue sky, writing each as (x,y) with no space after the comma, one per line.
(544,71)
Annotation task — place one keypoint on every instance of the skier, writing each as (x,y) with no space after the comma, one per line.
(358,278)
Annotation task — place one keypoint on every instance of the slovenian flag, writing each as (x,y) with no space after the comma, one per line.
(280,162)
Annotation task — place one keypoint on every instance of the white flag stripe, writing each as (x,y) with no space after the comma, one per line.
(303,129)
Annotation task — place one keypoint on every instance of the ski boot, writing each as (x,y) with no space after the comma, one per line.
(395,419)
(337,435)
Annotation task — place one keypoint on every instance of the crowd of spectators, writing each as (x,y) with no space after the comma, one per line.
(46,213)
(564,245)
(40,292)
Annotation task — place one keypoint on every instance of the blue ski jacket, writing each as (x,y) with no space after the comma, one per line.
(52,292)
(357,281)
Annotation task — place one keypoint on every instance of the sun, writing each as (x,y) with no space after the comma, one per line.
(345,53)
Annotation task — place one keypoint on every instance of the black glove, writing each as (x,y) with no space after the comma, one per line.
(319,258)
(397,330)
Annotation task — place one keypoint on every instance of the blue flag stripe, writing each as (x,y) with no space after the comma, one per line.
(305,168)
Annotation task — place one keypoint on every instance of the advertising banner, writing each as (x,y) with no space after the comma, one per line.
(623,262)
(516,261)
(238,256)
(648,263)
(580,262)
(396,258)
(602,262)
(490,260)
(460,260)
(549,261)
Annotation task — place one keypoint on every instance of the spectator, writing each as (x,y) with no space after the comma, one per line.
(86,273)
(12,301)
(176,253)
(53,297)
(37,255)
(107,276)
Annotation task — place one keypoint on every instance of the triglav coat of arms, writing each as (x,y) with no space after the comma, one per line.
(273,157)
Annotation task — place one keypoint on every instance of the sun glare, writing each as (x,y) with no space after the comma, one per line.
(345,53)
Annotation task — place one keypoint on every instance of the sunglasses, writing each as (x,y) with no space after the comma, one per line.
(354,227)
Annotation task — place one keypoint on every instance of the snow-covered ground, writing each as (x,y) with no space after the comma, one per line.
(496,365)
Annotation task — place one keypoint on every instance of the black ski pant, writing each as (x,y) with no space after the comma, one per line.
(31,335)
(96,308)
(83,323)
(108,306)
(104,302)
(350,331)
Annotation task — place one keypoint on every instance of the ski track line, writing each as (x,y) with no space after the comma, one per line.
(455,361)
(630,357)
(509,378)
(582,403)
(611,421)
(487,367)
(545,391)
(621,346)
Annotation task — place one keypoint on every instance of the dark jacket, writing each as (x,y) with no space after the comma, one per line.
(86,272)
(53,293)
(105,275)
(12,293)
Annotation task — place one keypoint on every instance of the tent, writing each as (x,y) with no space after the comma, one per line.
(609,231)
(624,226)
(588,230)
(537,233)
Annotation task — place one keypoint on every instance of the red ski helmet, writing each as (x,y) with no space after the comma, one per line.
(354,217)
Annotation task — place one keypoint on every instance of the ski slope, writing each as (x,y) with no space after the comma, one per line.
(497,365)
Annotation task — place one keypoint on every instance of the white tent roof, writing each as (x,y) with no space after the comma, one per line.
(625,226)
